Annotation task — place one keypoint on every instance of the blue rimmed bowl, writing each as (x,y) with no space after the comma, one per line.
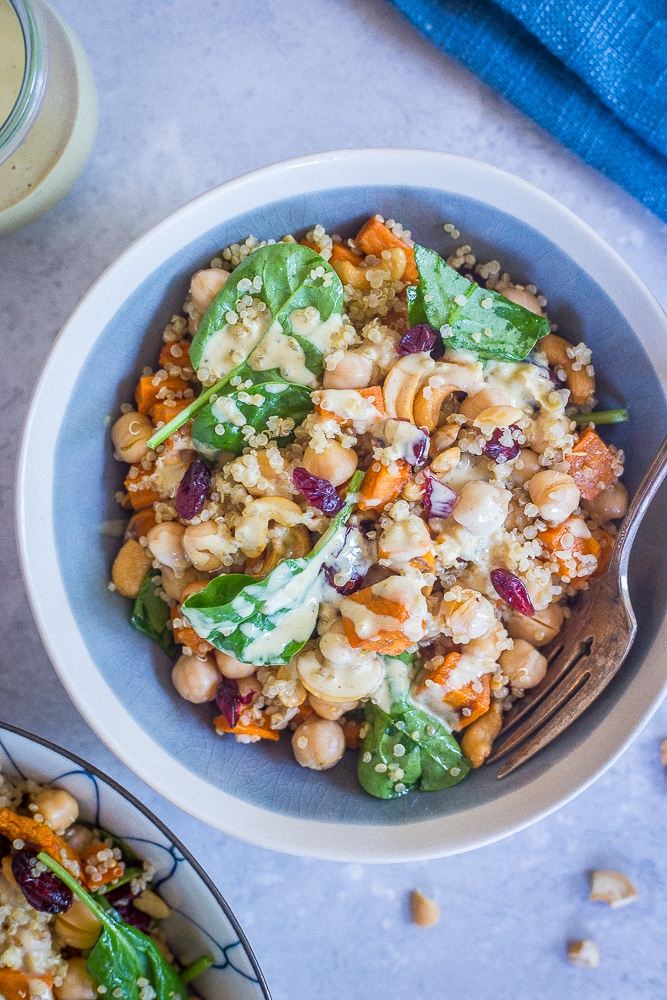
(201,922)
(67,480)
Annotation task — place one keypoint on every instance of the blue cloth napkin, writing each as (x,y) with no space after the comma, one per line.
(591,72)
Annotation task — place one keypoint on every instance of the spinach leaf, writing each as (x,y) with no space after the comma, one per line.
(220,425)
(469,317)
(285,278)
(429,756)
(267,622)
(122,954)
(150,615)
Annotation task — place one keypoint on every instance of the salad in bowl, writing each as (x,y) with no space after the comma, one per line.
(365,480)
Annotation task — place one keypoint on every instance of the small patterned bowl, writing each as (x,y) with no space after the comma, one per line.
(67,480)
(201,922)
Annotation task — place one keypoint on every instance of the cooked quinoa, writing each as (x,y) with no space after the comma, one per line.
(485,507)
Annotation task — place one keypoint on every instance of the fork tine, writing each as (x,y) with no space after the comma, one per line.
(582,697)
(557,669)
(547,716)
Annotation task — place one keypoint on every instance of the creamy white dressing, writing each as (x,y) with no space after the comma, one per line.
(524,384)
(466,376)
(225,411)
(349,404)
(306,323)
(295,625)
(230,345)
(404,441)
(279,350)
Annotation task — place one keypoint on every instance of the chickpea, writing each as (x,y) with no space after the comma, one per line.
(205,285)
(538,630)
(272,477)
(329,709)
(77,984)
(524,468)
(524,298)
(129,435)
(231,667)
(318,744)
(196,678)
(524,666)
(80,837)
(467,614)
(165,542)
(490,645)
(78,928)
(353,371)
(130,567)
(205,545)
(478,737)
(481,507)
(173,584)
(609,505)
(58,808)
(249,686)
(516,516)
(555,494)
(337,464)
(547,429)
(482,400)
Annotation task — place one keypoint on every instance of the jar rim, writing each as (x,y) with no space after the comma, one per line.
(20,120)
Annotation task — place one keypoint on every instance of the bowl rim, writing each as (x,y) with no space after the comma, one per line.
(377,166)
(161,826)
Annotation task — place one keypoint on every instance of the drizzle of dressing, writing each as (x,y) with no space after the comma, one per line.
(227,347)
(279,350)
(524,384)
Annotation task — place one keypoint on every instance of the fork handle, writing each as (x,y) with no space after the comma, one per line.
(638,506)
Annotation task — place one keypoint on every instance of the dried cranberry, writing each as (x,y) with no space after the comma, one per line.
(43,890)
(318,492)
(122,901)
(192,490)
(498,452)
(513,590)
(349,587)
(406,440)
(418,338)
(437,497)
(229,699)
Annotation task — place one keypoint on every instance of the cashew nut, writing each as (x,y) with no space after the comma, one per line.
(252,532)
(478,738)
(402,382)
(331,682)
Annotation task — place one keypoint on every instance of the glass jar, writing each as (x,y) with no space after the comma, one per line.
(48,110)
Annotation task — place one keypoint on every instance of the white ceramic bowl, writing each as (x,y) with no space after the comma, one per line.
(201,922)
(67,479)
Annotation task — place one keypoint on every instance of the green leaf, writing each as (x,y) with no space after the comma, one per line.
(472,318)
(220,425)
(122,955)
(286,277)
(406,746)
(150,615)
(268,621)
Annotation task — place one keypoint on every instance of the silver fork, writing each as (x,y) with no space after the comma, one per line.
(589,649)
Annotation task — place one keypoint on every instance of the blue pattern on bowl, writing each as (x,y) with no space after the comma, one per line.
(266,775)
(183,885)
